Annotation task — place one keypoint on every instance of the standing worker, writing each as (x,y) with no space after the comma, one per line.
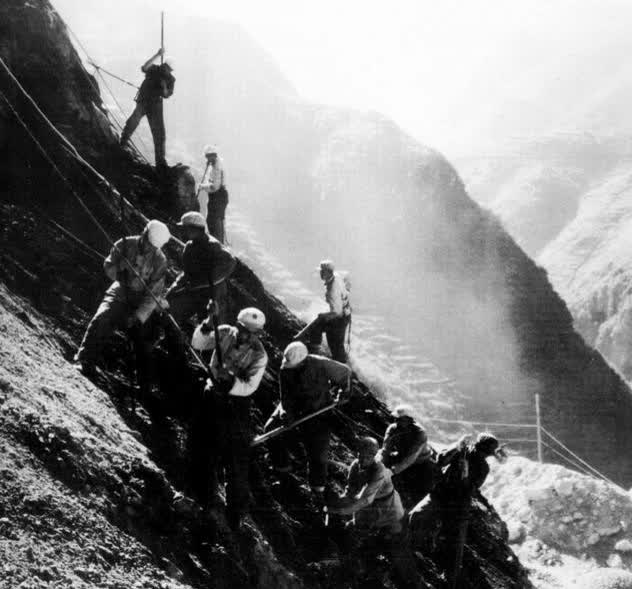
(221,430)
(158,84)
(336,322)
(406,452)
(214,184)
(305,385)
(137,266)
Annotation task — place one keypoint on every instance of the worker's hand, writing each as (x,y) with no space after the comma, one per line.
(163,304)
(206,327)
(212,308)
(160,51)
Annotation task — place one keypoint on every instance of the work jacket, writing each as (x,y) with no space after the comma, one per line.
(247,362)
(159,83)
(205,262)
(307,388)
(371,496)
(405,443)
(214,178)
(150,265)
(463,473)
(337,296)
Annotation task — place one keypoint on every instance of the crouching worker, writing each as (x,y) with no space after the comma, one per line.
(376,507)
(445,512)
(137,266)
(305,386)
(406,452)
(221,431)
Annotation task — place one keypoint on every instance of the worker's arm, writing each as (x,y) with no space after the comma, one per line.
(420,444)
(224,264)
(366,494)
(248,382)
(387,453)
(145,67)
(112,264)
(337,373)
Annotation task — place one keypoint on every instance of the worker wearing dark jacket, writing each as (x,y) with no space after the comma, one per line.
(206,266)
(406,452)
(305,386)
(158,84)
(137,267)
(221,431)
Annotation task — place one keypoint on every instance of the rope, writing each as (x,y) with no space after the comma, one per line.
(358,424)
(87,248)
(99,68)
(592,468)
(577,465)
(74,152)
(485,423)
(91,82)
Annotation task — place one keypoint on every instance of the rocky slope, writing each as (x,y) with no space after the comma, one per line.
(89,492)
(441,271)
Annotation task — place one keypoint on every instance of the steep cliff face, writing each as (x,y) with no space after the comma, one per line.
(88,495)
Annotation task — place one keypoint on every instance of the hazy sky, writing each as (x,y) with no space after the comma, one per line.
(436,67)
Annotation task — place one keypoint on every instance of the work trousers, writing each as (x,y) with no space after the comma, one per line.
(216,213)
(315,436)
(116,312)
(154,113)
(336,332)
(220,441)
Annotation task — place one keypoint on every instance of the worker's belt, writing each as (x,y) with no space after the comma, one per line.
(385,497)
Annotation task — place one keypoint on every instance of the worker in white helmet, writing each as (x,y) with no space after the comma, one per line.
(214,185)
(306,384)
(158,84)
(137,266)
(221,431)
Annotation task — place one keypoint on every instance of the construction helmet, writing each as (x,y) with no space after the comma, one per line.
(294,354)
(326,265)
(157,233)
(210,149)
(403,410)
(252,319)
(192,219)
(368,444)
(487,443)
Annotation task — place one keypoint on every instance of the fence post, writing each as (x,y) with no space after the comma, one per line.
(538,426)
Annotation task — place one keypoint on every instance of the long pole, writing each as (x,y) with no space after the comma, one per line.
(538,426)
(162,36)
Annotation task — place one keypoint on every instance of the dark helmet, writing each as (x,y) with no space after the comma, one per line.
(486,443)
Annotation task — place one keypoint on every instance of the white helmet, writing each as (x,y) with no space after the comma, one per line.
(252,319)
(192,219)
(294,354)
(157,233)
(403,410)
(209,149)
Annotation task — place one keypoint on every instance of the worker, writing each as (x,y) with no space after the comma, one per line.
(335,323)
(406,452)
(376,507)
(158,84)
(137,266)
(305,386)
(221,431)
(214,185)
(464,469)
(206,266)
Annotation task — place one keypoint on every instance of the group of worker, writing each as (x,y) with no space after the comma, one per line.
(384,483)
